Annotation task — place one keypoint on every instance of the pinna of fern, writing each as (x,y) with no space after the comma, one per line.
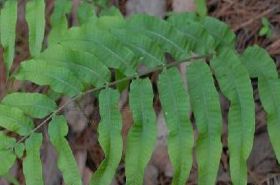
(79,60)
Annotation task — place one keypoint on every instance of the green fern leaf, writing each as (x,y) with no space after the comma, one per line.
(201,7)
(107,48)
(8,21)
(88,68)
(176,107)
(108,22)
(221,32)
(19,150)
(35,17)
(165,35)
(13,119)
(6,155)
(235,84)
(260,65)
(143,132)
(85,12)
(33,104)
(5,141)
(7,161)
(144,48)
(110,137)
(111,11)
(202,42)
(60,79)
(32,165)
(207,112)
(59,22)
(58,129)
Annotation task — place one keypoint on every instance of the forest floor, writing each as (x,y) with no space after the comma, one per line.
(244,17)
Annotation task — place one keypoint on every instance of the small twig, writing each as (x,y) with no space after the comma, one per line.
(109,85)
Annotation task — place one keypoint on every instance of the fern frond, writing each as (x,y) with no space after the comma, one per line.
(13,119)
(57,131)
(103,45)
(110,137)
(207,112)
(32,165)
(8,21)
(260,65)
(142,134)
(176,106)
(81,57)
(35,17)
(35,105)
(85,66)
(221,32)
(60,79)
(235,84)
(143,47)
(201,41)
(163,34)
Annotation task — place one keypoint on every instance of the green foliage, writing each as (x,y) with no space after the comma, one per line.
(176,106)
(60,79)
(86,57)
(222,35)
(143,132)
(32,167)
(8,162)
(269,89)
(266,28)
(8,21)
(59,20)
(235,84)
(13,119)
(110,137)
(196,33)
(207,112)
(35,17)
(32,104)
(5,143)
(201,7)
(19,150)
(101,3)
(66,163)
(168,38)
(85,12)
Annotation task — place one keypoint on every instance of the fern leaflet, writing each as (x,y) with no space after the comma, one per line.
(109,137)
(205,105)
(33,104)
(269,89)
(176,106)
(66,162)
(35,16)
(143,132)
(8,21)
(235,84)
(32,166)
